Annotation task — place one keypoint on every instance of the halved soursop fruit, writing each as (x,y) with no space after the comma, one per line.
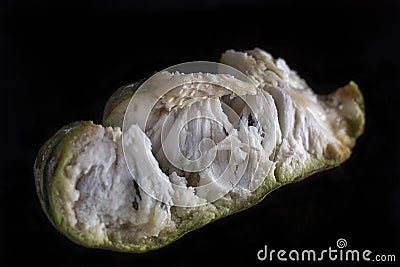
(135,188)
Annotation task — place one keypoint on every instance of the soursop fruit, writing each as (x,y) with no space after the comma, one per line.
(209,147)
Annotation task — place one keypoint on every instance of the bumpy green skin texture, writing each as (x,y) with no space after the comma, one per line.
(54,154)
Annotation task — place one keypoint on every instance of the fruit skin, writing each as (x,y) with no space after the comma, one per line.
(116,105)
(48,165)
(356,125)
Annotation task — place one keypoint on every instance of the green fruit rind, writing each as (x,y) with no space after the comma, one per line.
(46,163)
(356,124)
(48,170)
(116,105)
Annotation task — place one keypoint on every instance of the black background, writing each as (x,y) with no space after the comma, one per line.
(60,63)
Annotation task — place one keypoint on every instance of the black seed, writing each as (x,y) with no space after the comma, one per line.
(250,121)
(163,206)
(137,189)
(135,205)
